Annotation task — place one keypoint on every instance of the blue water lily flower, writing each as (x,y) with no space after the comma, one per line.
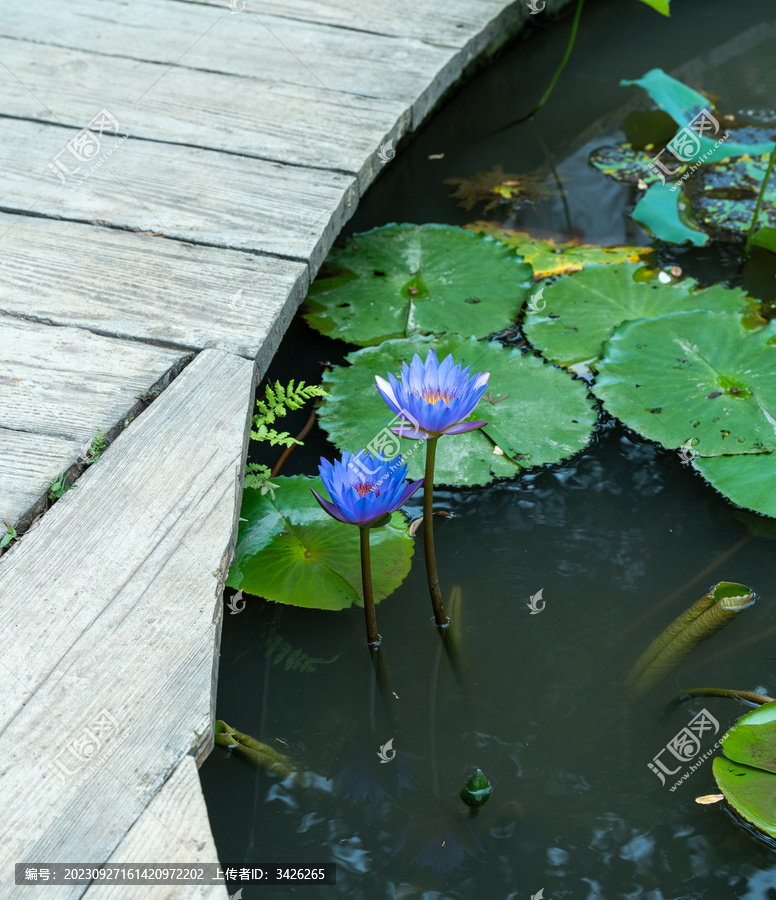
(432,397)
(364,489)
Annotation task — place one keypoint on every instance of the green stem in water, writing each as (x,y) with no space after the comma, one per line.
(561,67)
(760,198)
(749,696)
(428,536)
(373,638)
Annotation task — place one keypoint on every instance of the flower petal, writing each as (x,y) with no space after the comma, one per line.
(462,427)
(330,508)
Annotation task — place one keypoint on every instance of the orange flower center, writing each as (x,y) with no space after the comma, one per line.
(364,487)
(434,396)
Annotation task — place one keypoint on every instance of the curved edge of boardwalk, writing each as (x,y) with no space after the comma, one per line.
(172,274)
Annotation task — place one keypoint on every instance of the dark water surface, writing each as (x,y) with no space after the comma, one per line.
(620,540)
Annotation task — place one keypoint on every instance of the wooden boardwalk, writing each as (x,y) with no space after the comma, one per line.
(174,175)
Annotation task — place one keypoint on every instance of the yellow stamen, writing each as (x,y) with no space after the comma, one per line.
(436,395)
(364,488)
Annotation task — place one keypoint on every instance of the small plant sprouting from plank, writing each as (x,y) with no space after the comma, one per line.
(277,402)
(9,537)
(96,449)
(58,486)
(279,650)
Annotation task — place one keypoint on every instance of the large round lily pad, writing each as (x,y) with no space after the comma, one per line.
(698,376)
(290,551)
(752,740)
(406,279)
(741,479)
(745,774)
(536,413)
(582,310)
(751,793)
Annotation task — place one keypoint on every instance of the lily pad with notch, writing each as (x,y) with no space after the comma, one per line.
(699,376)
(399,280)
(289,550)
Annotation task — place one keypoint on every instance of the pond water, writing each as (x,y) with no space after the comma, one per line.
(619,539)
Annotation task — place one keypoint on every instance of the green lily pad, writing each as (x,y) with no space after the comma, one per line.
(662,210)
(699,376)
(582,310)
(745,775)
(548,258)
(661,6)
(406,279)
(765,237)
(741,479)
(289,550)
(536,413)
(751,793)
(752,740)
(680,101)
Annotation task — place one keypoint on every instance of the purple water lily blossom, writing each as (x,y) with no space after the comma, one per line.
(364,489)
(432,397)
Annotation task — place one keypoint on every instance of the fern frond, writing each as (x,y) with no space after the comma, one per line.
(278,400)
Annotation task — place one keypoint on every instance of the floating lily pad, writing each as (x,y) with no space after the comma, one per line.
(752,740)
(290,551)
(741,479)
(745,774)
(536,413)
(582,310)
(405,279)
(751,793)
(548,258)
(699,376)
(765,238)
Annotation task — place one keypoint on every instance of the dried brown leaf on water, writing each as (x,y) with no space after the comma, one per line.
(498,188)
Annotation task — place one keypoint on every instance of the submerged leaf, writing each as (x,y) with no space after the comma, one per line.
(661,210)
(497,188)
(402,279)
(289,550)
(545,416)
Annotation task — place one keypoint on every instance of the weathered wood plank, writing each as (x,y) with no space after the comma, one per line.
(174,827)
(211,38)
(58,386)
(189,194)
(451,24)
(113,602)
(152,289)
(305,125)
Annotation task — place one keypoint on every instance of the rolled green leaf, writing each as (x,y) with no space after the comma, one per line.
(703,619)
(253,751)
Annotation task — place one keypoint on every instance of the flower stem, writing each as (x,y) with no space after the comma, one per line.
(758,206)
(372,637)
(428,536)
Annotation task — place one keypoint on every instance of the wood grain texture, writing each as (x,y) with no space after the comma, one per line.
(210,38)
(193,195)
(174,827)
(58,387)
(305,125)
(113,602)
(147,288)
(449,24)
